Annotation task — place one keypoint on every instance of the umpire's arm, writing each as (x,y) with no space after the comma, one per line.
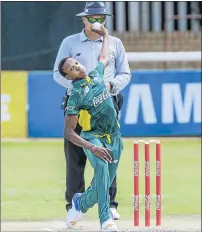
(122,70)
(63,52)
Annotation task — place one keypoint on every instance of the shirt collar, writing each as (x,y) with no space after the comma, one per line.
(83,37)
(80,83)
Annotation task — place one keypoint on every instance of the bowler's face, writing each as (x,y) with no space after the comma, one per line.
(74,69)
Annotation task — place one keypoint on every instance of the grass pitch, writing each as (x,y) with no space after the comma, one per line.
(33,179)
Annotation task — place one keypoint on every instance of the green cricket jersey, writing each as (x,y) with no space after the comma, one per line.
(91,100)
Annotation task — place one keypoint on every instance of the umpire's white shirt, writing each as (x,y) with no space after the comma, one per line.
(86,51)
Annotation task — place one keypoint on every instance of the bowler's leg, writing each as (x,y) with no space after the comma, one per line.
(98,192)
(117,148)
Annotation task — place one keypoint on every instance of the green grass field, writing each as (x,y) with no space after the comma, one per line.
(33,179)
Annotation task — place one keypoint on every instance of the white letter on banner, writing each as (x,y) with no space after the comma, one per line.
(5,100)
(172,98)
(140,93)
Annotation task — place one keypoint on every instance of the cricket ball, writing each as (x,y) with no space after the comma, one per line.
(97,26)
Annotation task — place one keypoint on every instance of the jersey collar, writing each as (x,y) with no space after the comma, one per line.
(83,37)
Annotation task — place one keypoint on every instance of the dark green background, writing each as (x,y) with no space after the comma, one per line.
(32,32)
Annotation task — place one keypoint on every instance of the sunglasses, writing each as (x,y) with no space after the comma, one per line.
(93,20)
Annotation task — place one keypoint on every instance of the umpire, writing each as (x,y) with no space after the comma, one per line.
(85,47)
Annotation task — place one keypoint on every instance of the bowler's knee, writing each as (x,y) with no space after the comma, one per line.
(101,165)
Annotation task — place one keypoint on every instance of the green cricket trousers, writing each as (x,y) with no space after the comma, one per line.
(104,174)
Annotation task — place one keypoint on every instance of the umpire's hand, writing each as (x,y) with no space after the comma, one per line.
(102,153)
(118,102)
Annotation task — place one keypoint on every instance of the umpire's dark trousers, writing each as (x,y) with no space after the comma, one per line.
(75,166)
(76,162)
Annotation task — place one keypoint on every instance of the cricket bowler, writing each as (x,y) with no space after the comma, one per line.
(91,105)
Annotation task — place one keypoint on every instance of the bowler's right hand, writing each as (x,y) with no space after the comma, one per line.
(102,31)
(102,153)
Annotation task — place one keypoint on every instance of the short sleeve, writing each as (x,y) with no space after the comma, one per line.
(73,105)
(98,70)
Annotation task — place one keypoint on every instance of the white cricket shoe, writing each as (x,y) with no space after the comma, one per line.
(109,225)
(115,214)
(74,214)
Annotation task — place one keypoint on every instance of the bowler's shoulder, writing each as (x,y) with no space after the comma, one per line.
(75,94)
(71,38)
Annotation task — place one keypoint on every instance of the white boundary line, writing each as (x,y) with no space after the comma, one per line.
(147,141)
(47,229)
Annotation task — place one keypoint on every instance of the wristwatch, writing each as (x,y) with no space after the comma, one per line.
(111,85)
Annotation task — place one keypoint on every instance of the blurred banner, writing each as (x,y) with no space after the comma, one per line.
(162,103)
(13,104)
(156,103)
(45,117)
